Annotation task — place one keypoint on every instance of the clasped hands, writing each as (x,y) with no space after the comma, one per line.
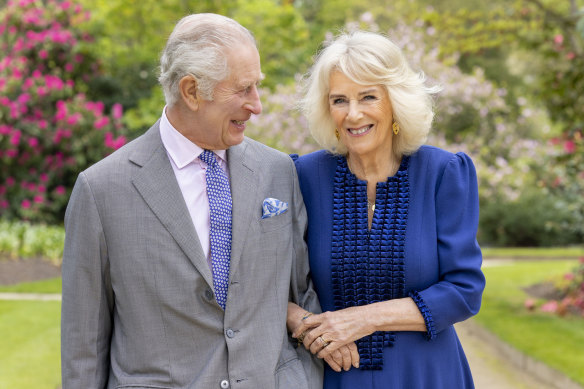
(331,336)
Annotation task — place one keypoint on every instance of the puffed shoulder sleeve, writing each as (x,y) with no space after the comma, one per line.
(457,295)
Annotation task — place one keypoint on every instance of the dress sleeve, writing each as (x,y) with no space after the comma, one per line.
(457,295)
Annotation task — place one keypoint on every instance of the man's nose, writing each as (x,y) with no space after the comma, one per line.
(254,105)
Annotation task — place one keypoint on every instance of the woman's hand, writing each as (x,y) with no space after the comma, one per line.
(330,331)
(343,358)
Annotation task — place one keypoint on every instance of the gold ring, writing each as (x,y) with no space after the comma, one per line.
(301,337)
(324,342)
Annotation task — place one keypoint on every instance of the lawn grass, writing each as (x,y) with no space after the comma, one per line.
(30,344)
(533,252)
(554,340)
(51,285)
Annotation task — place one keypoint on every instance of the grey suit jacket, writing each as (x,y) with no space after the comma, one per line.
(138,307)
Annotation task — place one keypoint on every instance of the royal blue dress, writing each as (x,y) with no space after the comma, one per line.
(422,244)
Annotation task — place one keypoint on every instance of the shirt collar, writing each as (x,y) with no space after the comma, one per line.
(179,148)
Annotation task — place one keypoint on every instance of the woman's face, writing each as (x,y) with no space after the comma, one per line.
(362,114)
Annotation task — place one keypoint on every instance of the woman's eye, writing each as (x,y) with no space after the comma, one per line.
(338,101)
(369,97)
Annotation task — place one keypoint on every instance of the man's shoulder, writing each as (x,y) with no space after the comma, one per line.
(121,159)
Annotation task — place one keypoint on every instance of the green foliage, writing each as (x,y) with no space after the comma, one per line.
(535,219)
(25,240)
(30,344)
(282,37)
(549,339)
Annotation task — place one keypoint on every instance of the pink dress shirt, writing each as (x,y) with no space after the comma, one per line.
(190,174)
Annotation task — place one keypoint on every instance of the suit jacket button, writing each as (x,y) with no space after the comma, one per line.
(230,333)
(224,384)
(209,294)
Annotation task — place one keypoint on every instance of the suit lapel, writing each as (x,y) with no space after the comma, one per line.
(158,187)
(243,175)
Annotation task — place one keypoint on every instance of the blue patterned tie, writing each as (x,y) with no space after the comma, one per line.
(219,195)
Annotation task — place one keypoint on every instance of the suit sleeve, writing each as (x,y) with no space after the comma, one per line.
(301,289)
(86,316)
(457,294)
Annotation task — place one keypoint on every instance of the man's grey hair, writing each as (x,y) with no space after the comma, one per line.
(198,47)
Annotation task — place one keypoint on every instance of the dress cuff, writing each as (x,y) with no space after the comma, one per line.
(431,330)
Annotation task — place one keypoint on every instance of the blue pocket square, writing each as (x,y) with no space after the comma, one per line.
(273,207)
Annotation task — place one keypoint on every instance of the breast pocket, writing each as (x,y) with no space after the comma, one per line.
(276,222)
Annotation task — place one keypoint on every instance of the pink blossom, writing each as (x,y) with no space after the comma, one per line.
(25,204)
(33,142)
(5,101)
(570,56)
(100,123)
(44,177)
(38,199)
(78,58)
(529,304)
(581,260)
(44,54)
(23,98)
(74,119)
(41,189)
(569,147)
(42,91)
(42,124)
(36,73)
(10,181)
(15,138)
(568,276)
(65,5)
(5,130)
(4,204)
(2,189)
(16,73)
(27,83)
(117,111)
(559,39)
(68,67)
(60,190)
(551,306)
(114,143)
(11,153)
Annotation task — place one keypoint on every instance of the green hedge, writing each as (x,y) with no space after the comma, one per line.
(26,240)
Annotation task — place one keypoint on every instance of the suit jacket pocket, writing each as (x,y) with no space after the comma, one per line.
(276,222)
(290,375)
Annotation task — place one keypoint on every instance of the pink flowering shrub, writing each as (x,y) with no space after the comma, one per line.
(49,131)
(569,294)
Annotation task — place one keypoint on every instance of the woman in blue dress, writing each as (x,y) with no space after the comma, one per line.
(392,225)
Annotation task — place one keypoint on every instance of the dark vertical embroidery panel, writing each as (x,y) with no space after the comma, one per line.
(368,266)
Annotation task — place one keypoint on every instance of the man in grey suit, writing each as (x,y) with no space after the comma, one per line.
(141,306)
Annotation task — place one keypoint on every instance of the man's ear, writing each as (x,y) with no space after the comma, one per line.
(189,93)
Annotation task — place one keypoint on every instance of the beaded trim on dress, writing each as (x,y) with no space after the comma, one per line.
(368,266)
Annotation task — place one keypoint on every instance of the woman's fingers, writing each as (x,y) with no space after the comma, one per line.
(317,345)
(354,354)
(346,357)
(333,364)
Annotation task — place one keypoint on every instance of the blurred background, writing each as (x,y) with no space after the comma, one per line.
(78,80)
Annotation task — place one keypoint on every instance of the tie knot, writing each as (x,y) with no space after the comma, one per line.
(208,157)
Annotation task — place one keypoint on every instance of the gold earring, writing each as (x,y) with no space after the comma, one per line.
(395,128)
(337,134)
